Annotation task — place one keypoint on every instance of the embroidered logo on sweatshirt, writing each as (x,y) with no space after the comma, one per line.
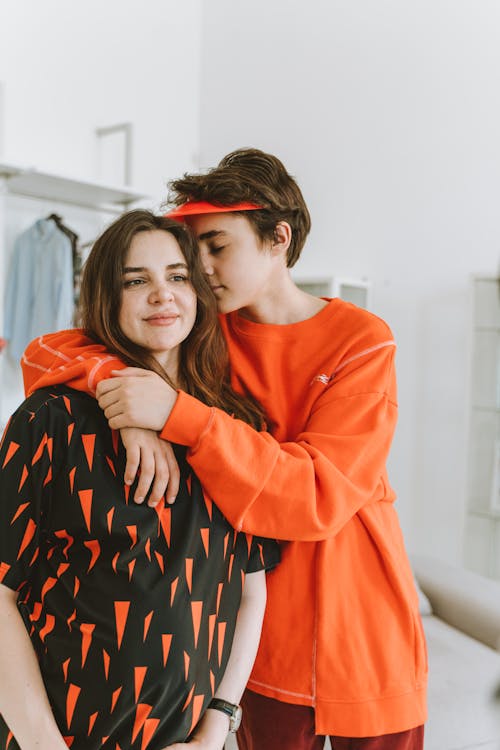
(321,378)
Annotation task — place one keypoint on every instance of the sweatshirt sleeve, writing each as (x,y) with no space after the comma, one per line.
(66,357)
(308,488)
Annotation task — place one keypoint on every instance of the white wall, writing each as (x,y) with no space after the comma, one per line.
(388,113)
(69,68)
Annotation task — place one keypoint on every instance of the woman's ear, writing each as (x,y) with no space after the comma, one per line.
(282,236)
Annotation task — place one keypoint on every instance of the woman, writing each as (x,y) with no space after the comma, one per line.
(118,621)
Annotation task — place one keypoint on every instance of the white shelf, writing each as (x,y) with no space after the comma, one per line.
(31,183)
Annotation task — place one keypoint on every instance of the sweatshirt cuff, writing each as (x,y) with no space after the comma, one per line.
(187,421)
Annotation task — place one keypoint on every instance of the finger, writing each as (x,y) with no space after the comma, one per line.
(104,386)
(174,474)
(146,476)
(132,465)
(161,478)
(119,422)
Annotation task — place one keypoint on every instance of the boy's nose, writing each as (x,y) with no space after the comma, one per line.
(206,262)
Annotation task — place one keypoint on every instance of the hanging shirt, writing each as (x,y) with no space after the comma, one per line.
(131,610)
(39,291)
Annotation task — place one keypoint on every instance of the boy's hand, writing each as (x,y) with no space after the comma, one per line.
(155,461)
(136,398)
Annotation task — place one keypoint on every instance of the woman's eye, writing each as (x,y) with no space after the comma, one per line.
(132,282)
(179,277)
(215,250)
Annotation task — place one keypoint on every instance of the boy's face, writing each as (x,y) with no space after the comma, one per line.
(240,268)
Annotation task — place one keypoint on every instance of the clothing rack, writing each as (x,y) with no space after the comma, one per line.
(37,185)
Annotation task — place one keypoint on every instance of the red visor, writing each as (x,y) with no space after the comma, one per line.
(193,208)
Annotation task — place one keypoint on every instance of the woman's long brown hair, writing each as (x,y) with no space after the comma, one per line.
(204,361)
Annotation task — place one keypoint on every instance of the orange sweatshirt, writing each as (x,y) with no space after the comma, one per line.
(342,631)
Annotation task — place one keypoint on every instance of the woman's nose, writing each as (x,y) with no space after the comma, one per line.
(162,292)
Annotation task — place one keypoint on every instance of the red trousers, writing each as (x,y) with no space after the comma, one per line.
(269,724)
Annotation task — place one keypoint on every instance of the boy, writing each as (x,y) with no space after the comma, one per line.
(342,650)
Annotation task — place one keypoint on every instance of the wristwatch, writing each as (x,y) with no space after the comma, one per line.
(230,709)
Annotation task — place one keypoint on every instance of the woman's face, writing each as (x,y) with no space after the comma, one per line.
(158,305)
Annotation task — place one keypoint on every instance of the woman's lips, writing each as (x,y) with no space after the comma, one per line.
(162,320)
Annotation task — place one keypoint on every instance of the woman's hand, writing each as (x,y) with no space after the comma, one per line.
(136,398)
(156,461)
(210,733)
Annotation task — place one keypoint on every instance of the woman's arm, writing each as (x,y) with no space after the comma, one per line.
(213,727)
(23,698)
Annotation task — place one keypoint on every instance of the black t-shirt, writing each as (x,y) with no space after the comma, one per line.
(131,610)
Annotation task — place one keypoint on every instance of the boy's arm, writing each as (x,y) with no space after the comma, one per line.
(66,357)
(23,699)
(71,357)
(213,727)
(304,489)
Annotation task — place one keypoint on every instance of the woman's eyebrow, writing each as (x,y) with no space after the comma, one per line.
(141,269)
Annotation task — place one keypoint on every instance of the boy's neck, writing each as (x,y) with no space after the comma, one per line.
(287,304)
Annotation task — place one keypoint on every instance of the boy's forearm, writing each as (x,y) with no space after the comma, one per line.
(23,699)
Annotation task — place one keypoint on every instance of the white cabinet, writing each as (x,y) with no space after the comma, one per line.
(482,527)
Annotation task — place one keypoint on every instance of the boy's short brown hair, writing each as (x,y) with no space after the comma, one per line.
(251,175)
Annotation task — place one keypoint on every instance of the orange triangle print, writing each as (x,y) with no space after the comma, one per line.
(71,427)
(189,573)
(88,446)
(160,561)
(72,479)
(220,642)
(105,659)
(95,551)
(211,628)
(67,404)
(189,698)
(4,569)
(71,699)
(86,629)
(166,642)
(147,623)
(109,518)
(92,719)
(24,476)
(20,510)
(65,666)
(39,451)
(141,714)
(196,610)
(121,614)
(150,726)
(11,450)
(139,675)
(173,589)
(114,698)
(48,627)
(205,536)
(86,503)
(28,536)
(187,660)
(197,706)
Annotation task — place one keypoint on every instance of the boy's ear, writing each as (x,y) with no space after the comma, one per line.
(282,236)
